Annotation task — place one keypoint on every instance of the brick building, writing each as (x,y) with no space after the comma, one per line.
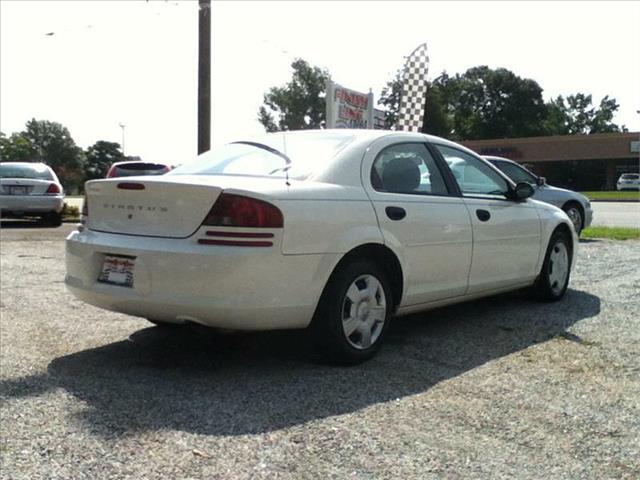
(578,162)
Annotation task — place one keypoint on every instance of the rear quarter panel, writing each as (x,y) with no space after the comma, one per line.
(328,221)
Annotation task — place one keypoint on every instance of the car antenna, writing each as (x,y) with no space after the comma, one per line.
(286,170)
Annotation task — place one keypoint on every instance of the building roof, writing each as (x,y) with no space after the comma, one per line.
(601,146)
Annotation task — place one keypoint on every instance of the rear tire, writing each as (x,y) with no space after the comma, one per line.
(353,314)
(553,280)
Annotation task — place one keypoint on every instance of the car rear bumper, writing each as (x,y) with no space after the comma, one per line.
(179,280)
(628,186)
(588,215)
(30,204)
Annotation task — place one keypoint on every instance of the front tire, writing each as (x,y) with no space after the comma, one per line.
(574,212)
(553,280)
(353,314)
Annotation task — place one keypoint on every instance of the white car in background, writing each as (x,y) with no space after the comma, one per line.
(30,190)
(628,181)
(333,230)
(577,206)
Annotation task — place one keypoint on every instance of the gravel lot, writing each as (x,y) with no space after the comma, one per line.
(500,388)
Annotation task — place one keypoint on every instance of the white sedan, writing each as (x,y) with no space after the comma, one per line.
(333,230)
(30,190)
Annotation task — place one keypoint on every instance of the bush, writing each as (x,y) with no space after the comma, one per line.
(70,212)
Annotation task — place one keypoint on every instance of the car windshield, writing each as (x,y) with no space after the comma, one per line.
(277,155)
(516,172)
(39,172)
(631,176)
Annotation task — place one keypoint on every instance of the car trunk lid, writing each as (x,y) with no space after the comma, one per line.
(24,186)
(149,206)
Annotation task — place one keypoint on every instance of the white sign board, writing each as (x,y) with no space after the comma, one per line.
(635,146)
(347,108)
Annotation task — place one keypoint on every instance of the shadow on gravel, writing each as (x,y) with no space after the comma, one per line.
(35,223)
(206,383)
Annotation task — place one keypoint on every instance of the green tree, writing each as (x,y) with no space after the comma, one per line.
(298,105)
(489,103)
(390,100)
(16,148)
(438,119)
(483,103)
(576,114)
(54,146)
(99,157)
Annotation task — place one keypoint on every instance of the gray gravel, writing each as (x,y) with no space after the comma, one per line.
(499,388)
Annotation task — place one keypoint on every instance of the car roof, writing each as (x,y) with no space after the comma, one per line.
(26,164)
(362,137)
(492,158)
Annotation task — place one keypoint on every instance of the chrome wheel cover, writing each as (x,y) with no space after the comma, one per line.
(576,218)
(558,267)
(364,311)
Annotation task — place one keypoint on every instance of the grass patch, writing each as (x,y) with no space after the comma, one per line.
(612,233)
(70,213)
(626,195)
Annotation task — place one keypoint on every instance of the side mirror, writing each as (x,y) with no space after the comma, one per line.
(540,181)
(522,191)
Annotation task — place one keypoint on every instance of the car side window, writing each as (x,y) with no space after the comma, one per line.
(516,172)
(407,168)
(473,176)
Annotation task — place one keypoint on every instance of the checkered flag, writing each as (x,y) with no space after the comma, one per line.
(414,90)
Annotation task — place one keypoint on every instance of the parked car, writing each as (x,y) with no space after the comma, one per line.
(30,190)
(130,168)
(330,230)
(575,205)
(628,181)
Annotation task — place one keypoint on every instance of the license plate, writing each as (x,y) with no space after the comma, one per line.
(18,190)
(117,270)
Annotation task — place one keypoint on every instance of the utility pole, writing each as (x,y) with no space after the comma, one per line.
(122,125)
(204,76)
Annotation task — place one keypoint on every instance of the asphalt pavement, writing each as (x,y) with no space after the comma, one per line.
(616,214)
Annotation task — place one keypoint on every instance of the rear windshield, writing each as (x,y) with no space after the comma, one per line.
(39,172)
(276,155)
(131,169)
(631,176)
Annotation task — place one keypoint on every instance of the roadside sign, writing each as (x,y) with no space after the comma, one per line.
(348,108)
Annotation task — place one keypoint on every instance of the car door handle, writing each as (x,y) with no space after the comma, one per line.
(395,213)
(483,215)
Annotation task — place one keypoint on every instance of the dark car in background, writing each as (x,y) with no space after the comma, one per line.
(575,205)
(132,168)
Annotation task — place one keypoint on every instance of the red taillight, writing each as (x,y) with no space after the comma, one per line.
(238,211)
(53,188)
